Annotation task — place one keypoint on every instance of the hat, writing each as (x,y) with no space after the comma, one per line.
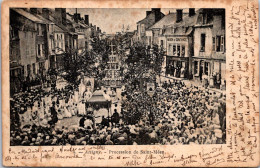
(121,138)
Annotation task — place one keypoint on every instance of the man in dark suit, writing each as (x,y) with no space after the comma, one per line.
(115,117)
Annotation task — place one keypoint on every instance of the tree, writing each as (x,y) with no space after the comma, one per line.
(72,65)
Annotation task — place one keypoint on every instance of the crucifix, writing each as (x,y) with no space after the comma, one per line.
(111,45)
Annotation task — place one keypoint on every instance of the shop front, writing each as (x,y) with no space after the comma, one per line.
(177,67)
(210,72)
(177,59)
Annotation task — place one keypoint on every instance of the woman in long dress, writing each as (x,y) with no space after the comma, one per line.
(81,109)
(67,114)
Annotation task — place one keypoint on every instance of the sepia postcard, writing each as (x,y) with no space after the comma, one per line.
(130,83)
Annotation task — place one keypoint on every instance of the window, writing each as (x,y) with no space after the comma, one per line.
(218,43)
(52,43)
(33,68)
(213,44)
(28,70)
(174,50)
(183,51)
(202,42)
(223,21)
(173,30)
(39,50)
(178,50)
(196,67)
(222,43)
(162,43)
(204,18)
(42,50)
(39,29)
(206,68)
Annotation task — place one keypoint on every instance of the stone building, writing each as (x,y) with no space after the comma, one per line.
(179,44)
(152,17)
(27,44)
(209,60)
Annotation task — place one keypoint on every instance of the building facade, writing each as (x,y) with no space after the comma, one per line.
(25,37)
(151,18)
(39,40)
(209,61)
(179,45)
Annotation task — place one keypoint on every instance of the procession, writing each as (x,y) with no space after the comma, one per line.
(119,91)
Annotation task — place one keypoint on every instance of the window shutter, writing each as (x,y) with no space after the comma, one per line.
(222,43)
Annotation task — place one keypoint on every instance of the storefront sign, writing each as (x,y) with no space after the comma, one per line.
(177,39)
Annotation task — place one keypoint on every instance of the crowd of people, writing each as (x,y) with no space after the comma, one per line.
(175,114)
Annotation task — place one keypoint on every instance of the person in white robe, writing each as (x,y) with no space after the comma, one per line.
(81,108)
(76,96)
(82,89)
(87,95)
(67,114)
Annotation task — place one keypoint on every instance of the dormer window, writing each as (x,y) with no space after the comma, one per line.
(39,29)
(183,30)
(173,30)
(204,18)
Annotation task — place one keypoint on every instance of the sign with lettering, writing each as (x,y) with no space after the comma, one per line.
(156,119)
(177,39)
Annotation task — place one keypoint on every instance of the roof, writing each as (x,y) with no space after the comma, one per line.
(184,27)
(59,27)
(166,20)
(28,15)
(210,13)
(147,17)
(98,97)
(44,19)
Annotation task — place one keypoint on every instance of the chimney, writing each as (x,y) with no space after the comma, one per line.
(179,15)
(157,10)
(86,20)
(75,17)
(157,13)
(33,10)
(60,15)
(191,12)
(45,13)
(148,13)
